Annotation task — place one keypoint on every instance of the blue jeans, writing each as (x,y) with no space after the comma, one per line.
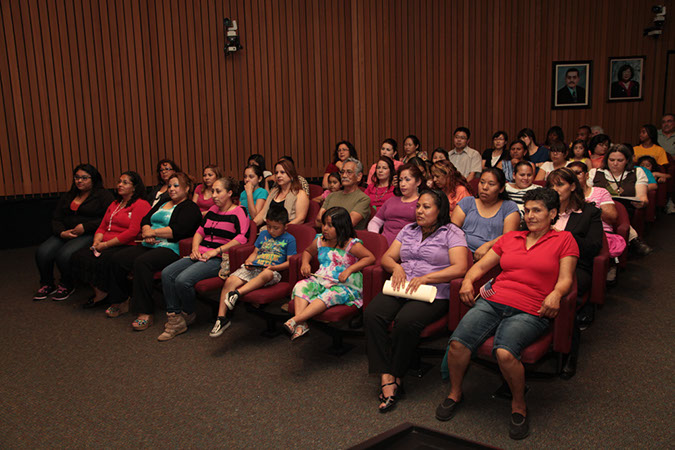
(179,279)
(58,250)
(513,329)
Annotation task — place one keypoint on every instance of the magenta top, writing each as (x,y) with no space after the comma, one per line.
(204,204)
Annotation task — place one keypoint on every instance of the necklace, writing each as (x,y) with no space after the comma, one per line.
(118,209)
(619,189)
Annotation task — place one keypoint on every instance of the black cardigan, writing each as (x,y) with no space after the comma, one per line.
(89,214)
(184,220)
(586,228)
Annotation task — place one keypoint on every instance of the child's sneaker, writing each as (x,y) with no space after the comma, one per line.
(44,292)
(231,299)
(222,324)
(62,293)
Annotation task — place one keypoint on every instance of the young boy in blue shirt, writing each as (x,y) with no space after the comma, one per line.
(272,249)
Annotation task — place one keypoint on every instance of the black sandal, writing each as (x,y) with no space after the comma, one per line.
(389,402)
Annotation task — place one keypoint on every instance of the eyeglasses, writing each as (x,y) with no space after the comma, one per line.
(347,172)
(81,177)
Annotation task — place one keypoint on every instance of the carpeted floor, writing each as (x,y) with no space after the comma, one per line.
(72,378)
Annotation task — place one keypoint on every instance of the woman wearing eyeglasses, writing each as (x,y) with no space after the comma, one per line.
(160,193)
(78,213)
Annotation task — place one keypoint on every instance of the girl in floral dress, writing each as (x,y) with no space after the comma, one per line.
(339,280)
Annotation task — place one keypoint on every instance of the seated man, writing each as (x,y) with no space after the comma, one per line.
(467,160)
(537,271)
(350,197)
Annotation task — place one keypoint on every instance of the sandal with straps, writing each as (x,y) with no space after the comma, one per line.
(300,330)
(117,310)
(290,326)
(142,324)
(390,402)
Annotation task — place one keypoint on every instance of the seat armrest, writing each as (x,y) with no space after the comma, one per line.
(238,255)
(563,324)
(599,280)
(374,277)
(185,247)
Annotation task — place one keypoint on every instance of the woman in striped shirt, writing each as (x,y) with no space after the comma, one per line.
(225,225)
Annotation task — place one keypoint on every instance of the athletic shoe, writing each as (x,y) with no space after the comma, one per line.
(44,292)
(62,293)
(222,324)
(670,207)
(231,299)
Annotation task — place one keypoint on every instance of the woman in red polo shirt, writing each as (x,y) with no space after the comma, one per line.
(537,271)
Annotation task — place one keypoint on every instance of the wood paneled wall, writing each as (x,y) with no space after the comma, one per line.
(123,83)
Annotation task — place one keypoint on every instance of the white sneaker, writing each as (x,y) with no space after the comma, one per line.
(611,274)
(222,324)
(231,299)
(670,207)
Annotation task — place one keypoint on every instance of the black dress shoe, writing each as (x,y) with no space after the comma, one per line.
(570,368)
(92,304)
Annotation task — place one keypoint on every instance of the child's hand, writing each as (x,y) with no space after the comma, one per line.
(305,270)
(343,276)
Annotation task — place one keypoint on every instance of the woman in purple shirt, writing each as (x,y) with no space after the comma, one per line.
(431,251)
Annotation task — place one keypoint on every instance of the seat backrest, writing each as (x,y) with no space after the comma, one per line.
(473,184)
(374,242)
(252,232)
(622,220)
(541,183)
(315,190)
(312,212)
(303,234)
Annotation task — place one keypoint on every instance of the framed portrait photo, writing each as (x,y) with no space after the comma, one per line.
(625,78)
(571,84)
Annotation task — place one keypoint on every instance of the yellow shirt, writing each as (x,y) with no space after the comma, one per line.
(655,151)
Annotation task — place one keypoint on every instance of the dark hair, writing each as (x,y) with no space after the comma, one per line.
(137,183)
(415,172)
(555,129)
(622,69)
(501,180)
(256,169)
(421,164)
(625,150)
(287,158)
(443,205)
(652,133)
(598,139)
(500,133)
(185,180)
(216,170)
(392,170)
(547,196)
(650,159)
(342,222)
(464,130)
(578,164)
(523,163)
(394,144)
(526,154)
(279,215)
(292,173)
(529,132)
(440,150)
(587,128)
(559,147)
(258,159)
(229,184)
(453,176)
(575,143)
(572,69)
(565,174)
(174,166)
(96,179)
(350,146)
(415,140)
(337,176)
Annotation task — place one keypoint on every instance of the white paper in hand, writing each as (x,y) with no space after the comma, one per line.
(424,293)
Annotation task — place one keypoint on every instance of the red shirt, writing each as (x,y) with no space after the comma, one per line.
(126,222)
(528,276)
